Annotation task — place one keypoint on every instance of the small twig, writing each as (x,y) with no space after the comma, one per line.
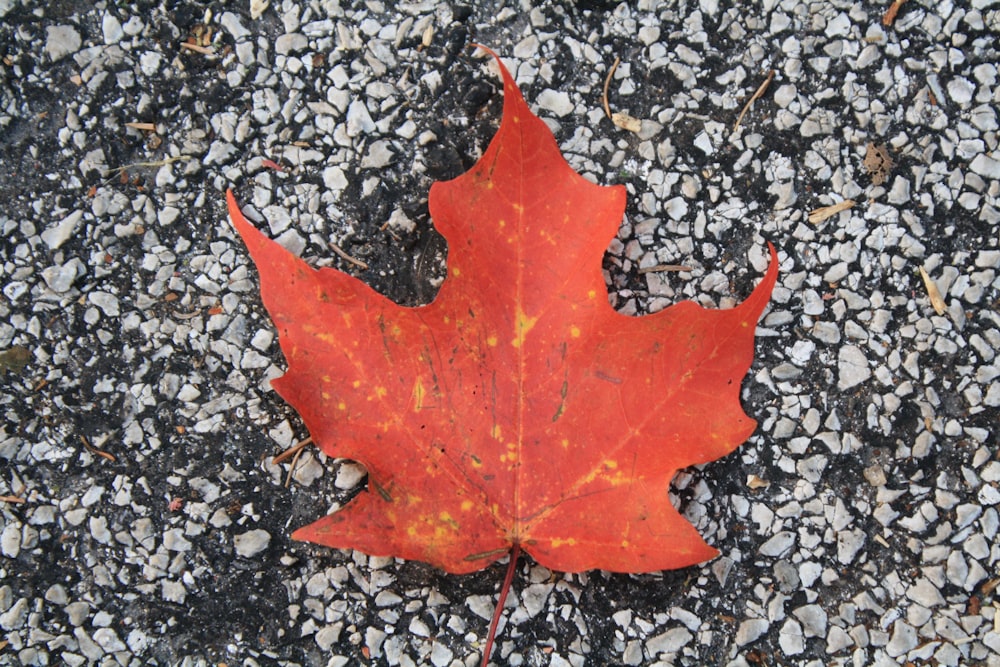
(152,163)
(937,301)
(664,267)
(343,255)
(607,83)
(204,50)
(13,499)
(147,127)
(754,98)
(890,14)
(818,215)
(291,468)
(97,452)
(291,451)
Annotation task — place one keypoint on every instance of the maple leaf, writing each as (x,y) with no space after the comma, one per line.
(518,410)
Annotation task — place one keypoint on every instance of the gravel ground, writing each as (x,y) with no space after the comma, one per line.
(144,521)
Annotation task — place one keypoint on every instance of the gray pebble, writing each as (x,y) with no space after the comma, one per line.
(108,303)
(111,28)
(671,641)
(173,540)
(751,630)
(779,544)
(813,619)
(291,43)
(379,155)
(251,543)
(852,367)
(231,23)
(99,529)
(903,640)
(556,101)
(985,166)
(14,618)
(61,277)
(790,638)
(10,539)
(61,232)
(61,41)
(77,613)
(87,646)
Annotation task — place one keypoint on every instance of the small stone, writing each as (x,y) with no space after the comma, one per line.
(108,303)
(852,366)
(231,23)
(13,618)
(558,102)
(378,156)
(56,594)
(903,640)
(671,641)
(99,529)
(751,630)
(87,646)
(60,277)
(326,636)
(108,640)
(173,591)
(77,613)
(10,540)
(111,28)
(813,620)
(785,95)
(779,544)
(173,540)
(676,208)
(961,90)
(985,166)
(61,41)
(704,143)
(849,543)
(251,543)
(291,43)
(334,179)
(359,121)
(790,638)
(60,232)
(220,152)
(349,475)
(924,593)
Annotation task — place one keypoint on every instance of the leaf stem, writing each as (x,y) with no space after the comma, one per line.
(515,553)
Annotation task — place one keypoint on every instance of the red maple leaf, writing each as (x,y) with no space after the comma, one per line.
(518,411)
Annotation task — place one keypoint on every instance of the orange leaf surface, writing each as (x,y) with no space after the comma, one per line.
(518,408)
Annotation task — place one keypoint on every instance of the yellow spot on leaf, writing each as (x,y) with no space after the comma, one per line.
(356,384)
(560,542)
(592,294)
(523,325)
(455,271)
(565,443)
(418,395)
(574,331)
(497,433)
(341,406)
(467,505)
(492,341)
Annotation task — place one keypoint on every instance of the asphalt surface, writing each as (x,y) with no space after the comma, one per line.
(144,521)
